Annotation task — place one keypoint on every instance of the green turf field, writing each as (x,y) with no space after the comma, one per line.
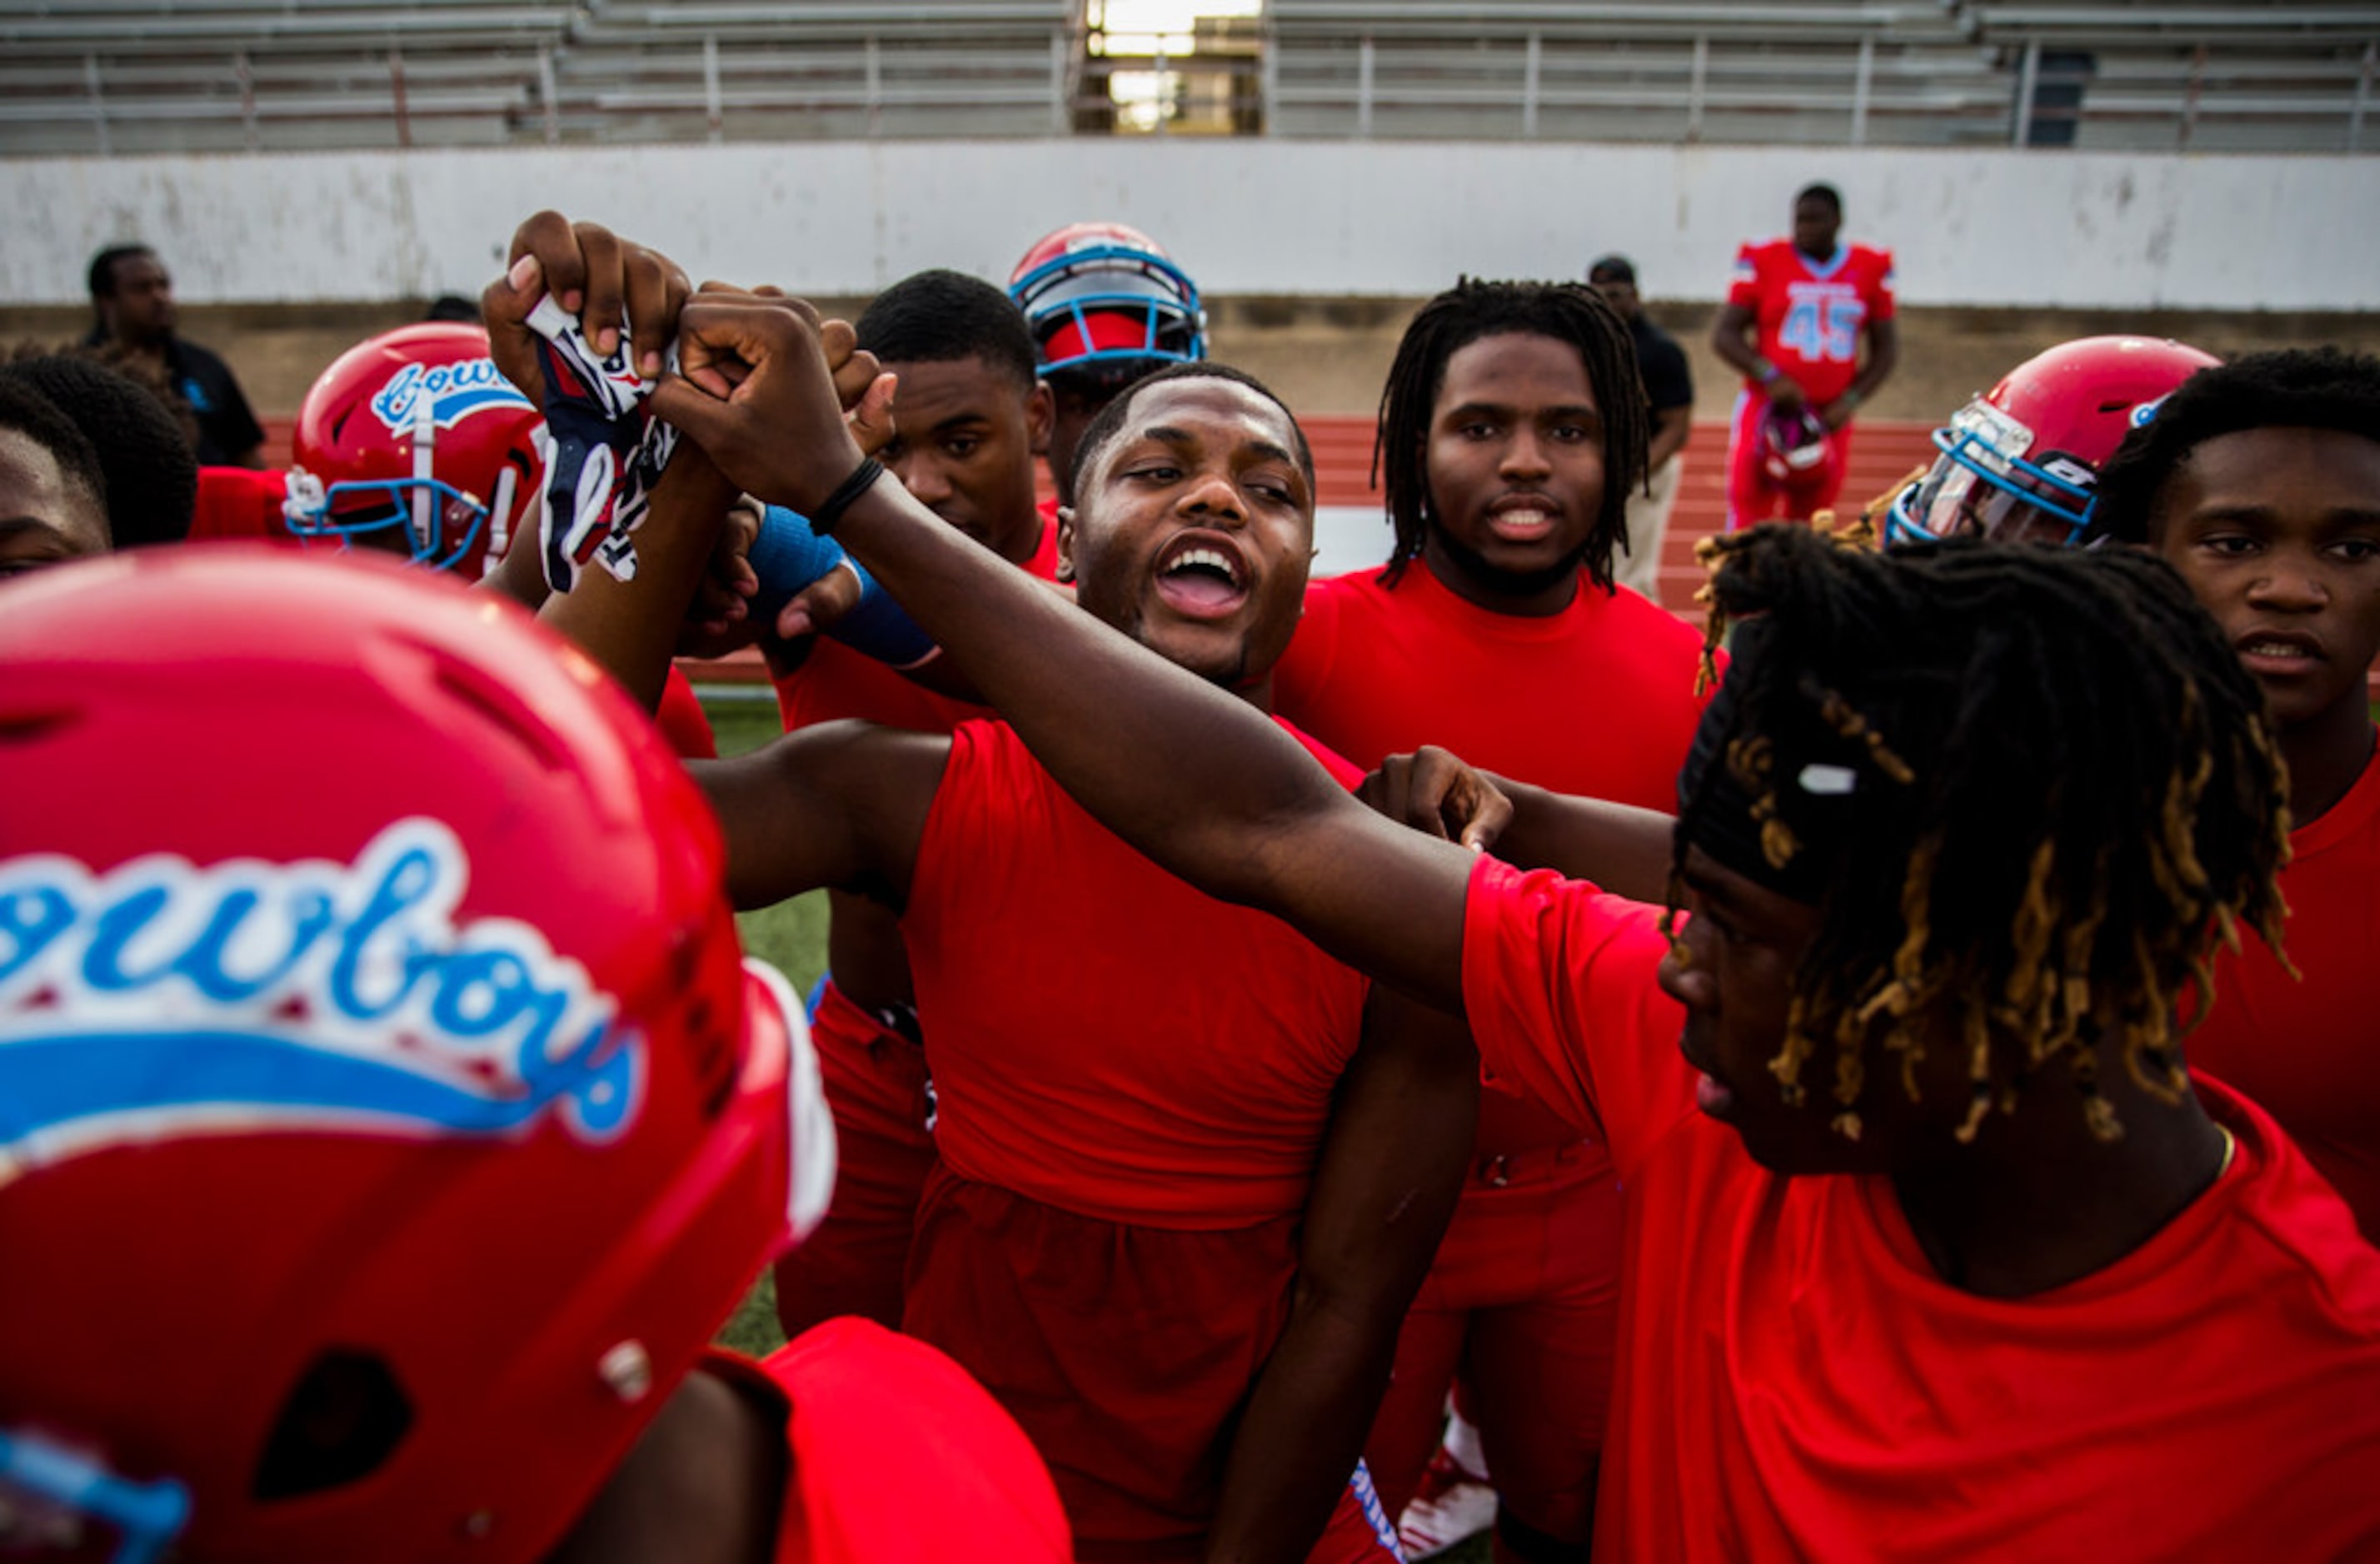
(792,936)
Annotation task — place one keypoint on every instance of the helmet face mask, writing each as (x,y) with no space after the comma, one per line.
(386,513)
(1984,485)
(414,444)
(2020,462)
(1105,300)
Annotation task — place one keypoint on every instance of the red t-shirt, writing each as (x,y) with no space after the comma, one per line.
(1809,314)
(1104,1039)
(1134,1082)
(835,682)
(681,721)
(2309,1052)
(1795,1381)
(1596,700)
(241,502)
(897,1456)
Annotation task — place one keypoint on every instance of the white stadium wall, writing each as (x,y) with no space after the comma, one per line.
(1246,216)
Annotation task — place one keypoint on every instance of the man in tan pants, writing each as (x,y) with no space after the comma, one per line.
(1670,387)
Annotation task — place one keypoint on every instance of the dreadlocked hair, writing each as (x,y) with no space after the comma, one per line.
(2070,796)
(1569,312)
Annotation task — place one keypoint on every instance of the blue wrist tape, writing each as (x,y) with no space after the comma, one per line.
(787,556)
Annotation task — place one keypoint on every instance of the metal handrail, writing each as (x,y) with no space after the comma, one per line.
(1007,60)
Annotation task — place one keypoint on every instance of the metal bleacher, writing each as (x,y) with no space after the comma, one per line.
(772,69)
(130,76)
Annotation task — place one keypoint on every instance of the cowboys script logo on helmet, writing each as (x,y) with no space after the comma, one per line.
(453,392)
(400,1049)
(298,995)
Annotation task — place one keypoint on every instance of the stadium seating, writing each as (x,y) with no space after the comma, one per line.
(83,76)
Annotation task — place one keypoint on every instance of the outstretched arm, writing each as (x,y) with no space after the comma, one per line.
(1390,1173)
(1621,848)
(1186,772)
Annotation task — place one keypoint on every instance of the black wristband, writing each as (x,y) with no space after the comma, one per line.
(847,494)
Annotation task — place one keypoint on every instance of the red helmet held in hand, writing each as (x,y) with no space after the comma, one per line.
(1793,446)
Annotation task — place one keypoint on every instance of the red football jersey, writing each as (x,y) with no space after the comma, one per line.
(1795,1380)
(2309,1051)
(241,502)
(836,682)
(897,1457)
(1809,313)
(1598,700)
(682,720)
(1134,1082)
(1105,1038)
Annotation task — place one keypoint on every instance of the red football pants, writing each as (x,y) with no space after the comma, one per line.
(1523,1303)
(1123,1351)
(1753,496)
(875,1082)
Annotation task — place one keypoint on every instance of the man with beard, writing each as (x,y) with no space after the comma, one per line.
(1512,429)
(132,307)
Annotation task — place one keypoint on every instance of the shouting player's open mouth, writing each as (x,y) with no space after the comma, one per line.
(1201,575)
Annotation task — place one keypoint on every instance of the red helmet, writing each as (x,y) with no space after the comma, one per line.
(416,439)
(2021,460)
(1107,300)
(1793,445)
(378,1148)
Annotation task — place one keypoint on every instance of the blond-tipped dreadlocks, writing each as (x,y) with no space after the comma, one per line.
(2030,790)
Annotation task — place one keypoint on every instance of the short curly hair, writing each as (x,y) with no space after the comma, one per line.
(151,485)
(2294,388)
(24,411)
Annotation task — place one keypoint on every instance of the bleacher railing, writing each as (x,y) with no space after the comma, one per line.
(132,75)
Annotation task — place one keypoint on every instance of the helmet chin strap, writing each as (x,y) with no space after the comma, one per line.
(425,448)
(500,512)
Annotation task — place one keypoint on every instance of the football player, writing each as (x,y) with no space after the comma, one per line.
(153,481)
(408,1064)
(1106,305)
(2259,481)
(1190,1169)
(53,490)
(1512,431)
(970,422)
(1934,1246)
(1796,314)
